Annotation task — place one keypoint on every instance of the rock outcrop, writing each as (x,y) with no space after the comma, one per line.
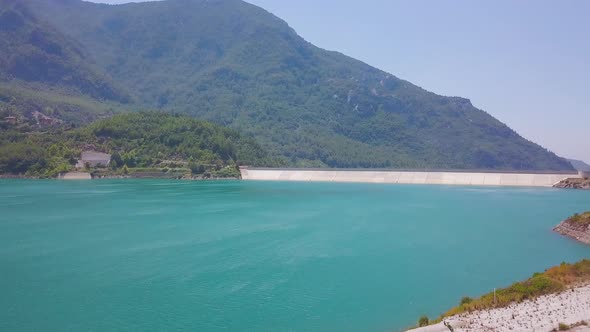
(576,227)
(574,183)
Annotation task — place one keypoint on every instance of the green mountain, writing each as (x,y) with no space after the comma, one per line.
(237,65)
(42,70)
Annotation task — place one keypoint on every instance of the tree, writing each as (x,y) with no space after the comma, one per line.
(466,300)
(116,159)
(196,168)
(423,321)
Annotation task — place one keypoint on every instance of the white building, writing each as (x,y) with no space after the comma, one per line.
(94,159)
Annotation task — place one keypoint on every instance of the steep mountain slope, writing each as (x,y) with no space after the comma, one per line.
(36,58)
(237,65)
(32,51)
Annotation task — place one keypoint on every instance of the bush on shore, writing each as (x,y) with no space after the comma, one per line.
(423,321)
(583,219)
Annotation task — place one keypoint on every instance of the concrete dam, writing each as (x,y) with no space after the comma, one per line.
(477,178)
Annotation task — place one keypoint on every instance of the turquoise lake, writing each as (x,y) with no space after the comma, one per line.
(161,255)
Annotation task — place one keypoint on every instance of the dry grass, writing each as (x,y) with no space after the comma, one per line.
(583,219)
(553,280)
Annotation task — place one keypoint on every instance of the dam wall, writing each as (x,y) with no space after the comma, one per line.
(407,177)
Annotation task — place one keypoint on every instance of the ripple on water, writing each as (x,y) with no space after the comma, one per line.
(264,256)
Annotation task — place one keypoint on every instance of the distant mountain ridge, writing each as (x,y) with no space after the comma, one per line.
(580,165)
(237,65)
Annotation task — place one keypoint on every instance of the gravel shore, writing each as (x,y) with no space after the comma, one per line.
(544,313)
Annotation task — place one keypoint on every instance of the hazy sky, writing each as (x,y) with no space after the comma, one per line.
(525,62)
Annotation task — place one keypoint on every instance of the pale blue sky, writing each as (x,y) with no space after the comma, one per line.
(525,62)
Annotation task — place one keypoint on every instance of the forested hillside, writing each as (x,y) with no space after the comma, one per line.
(141,140)
(239,66)
(42,70)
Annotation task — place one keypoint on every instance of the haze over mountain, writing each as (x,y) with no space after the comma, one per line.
(237,65)
(580,165)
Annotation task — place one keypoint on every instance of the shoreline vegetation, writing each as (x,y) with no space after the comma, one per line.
(533,295)
(143,144)
(228,173)
(556,299)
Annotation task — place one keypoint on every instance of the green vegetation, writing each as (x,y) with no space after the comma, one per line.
(566,327)
(423,321)
(466,300)
(531,288)
(42,70)
(582,219)
(22,101)
(236,65)
(33,51)
(553,280)
(139,142)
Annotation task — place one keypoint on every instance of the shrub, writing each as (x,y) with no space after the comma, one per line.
(466,300)
(583,218)
(227,172)
(571,273)
(563,327)
(423,321)
(196,168)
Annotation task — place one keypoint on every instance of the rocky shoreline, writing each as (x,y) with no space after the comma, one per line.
(574,183)
(575,229)
(161,176)
(552,312)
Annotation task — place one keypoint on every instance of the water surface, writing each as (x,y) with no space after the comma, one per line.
(264,256)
